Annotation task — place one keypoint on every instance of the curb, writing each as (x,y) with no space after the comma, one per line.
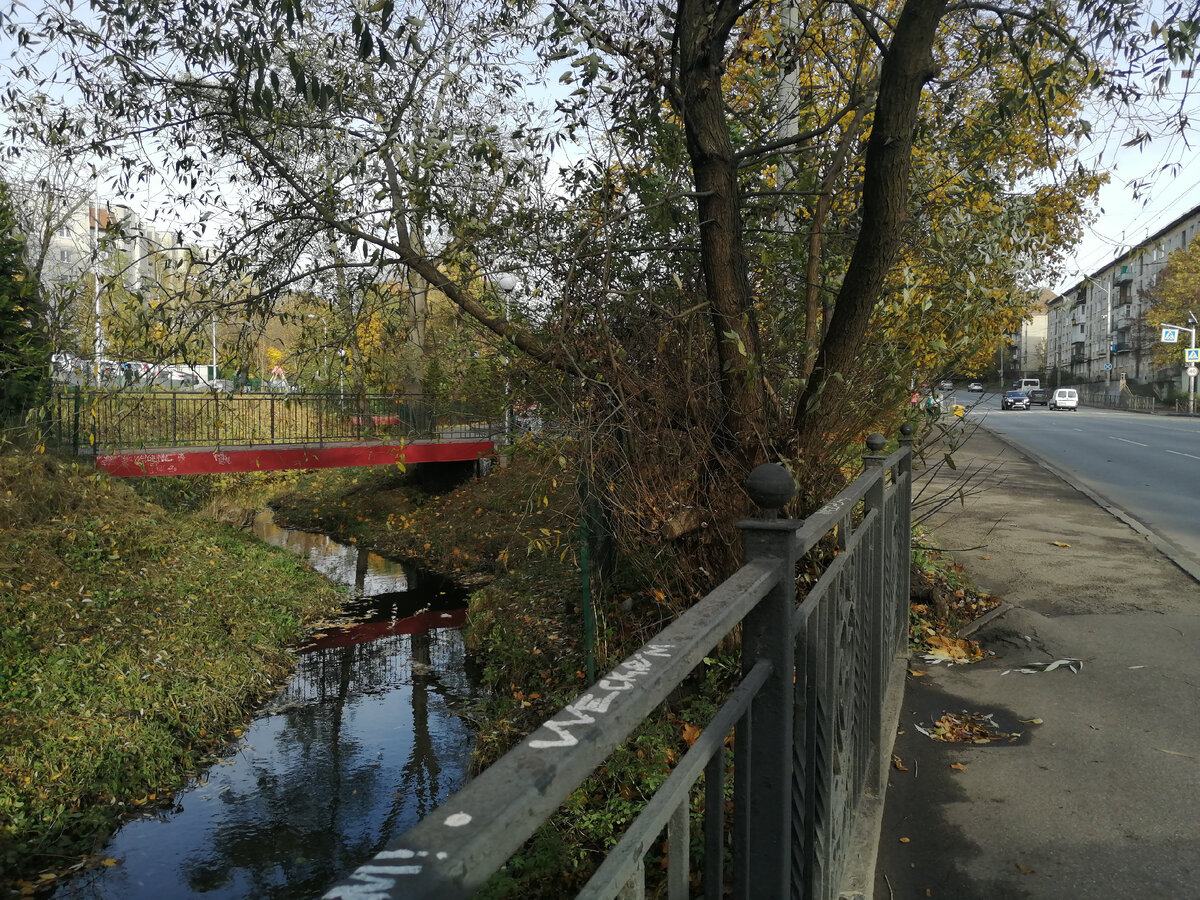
(975,624)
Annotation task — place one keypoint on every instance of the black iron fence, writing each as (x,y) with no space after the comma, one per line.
(108,421)
(811,735)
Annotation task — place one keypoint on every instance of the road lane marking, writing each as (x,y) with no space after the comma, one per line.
(1188,455)
(1127,441)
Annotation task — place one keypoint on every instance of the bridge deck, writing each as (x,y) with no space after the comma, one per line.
(213,460)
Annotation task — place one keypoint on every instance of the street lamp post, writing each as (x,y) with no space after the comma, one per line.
(324,346)
(508,284)
(1108,334)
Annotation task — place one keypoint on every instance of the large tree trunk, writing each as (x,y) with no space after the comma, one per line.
(907,66)
(702,28)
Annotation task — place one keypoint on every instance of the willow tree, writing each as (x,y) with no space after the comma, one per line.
(704,204)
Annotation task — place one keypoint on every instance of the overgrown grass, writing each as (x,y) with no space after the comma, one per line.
(134,642)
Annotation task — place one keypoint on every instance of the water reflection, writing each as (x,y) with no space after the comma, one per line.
(359,745)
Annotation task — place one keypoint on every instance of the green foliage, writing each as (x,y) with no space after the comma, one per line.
(1175,299)
(24,353)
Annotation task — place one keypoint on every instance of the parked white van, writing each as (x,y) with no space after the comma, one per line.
(1064,398)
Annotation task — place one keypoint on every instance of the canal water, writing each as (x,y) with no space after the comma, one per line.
(357,747)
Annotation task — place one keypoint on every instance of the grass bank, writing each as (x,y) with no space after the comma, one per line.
(135,641)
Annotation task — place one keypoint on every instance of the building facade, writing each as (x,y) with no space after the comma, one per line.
(1100,330)
(110,240)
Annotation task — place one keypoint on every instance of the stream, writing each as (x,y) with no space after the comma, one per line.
(357,747)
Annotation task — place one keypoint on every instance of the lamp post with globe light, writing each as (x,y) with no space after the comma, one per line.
(508,284)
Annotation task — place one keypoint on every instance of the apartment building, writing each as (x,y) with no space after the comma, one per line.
(1099,330)
(110,239)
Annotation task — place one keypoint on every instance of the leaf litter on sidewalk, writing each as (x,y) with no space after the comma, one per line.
(967,728)
(1034,668)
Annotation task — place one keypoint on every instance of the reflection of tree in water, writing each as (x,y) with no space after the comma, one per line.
(330,792)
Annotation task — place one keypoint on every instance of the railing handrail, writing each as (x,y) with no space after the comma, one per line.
(154,418)
(454,849)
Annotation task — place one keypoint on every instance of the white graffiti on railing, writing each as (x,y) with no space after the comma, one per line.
(832,506)
(379,880)
(584,710)
(222,459)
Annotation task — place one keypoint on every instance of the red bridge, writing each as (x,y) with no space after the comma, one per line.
(133,433)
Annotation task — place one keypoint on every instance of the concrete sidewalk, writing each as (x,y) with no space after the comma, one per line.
(1099,796)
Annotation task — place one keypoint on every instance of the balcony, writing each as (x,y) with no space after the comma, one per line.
(1124,275)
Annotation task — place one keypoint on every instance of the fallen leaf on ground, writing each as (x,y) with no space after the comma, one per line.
(1058,544)
(944,648)
(966,728)
(904,840)
(899,764)
(1024,870)
(958,766)
(916,673)
(1034,668)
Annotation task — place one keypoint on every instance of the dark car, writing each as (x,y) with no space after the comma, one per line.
(1014,400)
(1040,396)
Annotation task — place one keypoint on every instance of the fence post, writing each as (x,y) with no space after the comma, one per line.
(75,397)
(763,749)
(904,535)
(875,605)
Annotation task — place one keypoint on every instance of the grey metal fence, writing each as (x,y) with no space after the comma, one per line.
(113,420)
(808,717)
(1119,400)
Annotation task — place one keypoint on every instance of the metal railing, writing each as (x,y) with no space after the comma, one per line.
(1108,399)
(807,713)
(94,421)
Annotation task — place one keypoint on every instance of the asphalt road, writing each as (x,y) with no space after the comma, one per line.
(1144,468)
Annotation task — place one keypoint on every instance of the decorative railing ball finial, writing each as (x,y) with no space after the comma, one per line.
(770,486)
(876,442)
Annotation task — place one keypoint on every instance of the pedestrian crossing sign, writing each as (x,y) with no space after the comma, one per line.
(1170,335)
(1191,355)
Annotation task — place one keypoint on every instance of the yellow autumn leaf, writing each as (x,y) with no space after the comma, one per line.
(1058,544)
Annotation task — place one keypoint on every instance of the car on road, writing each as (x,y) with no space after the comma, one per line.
(1065,398)
(975,387)
(1014,400)
(1040,396)
(946,386)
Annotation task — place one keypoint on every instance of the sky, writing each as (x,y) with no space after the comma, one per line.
(1150,185)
